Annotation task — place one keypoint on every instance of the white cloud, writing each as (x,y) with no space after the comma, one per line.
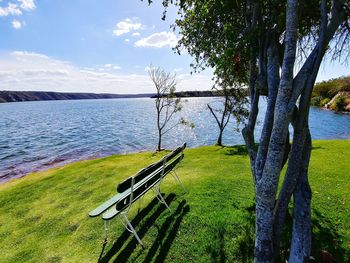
(11,9)
(127,40)
(27,4)
(16,10)
(135,34)
(22,70)
(126,26)
(107,67)
(27,56)
(16,24)
(158,40)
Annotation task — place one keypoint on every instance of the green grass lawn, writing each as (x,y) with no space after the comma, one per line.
(44,216)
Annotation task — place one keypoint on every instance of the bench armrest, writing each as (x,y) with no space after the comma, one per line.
(106,205)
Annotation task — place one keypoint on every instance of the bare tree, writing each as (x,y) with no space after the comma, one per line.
(166,102)
(233,105)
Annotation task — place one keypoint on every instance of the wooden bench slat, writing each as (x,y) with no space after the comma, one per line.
(139,190)
(147,184)
(144,180)
(110,213)
(126,184)
(112,201)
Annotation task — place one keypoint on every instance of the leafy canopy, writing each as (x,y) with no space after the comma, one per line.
(218,34)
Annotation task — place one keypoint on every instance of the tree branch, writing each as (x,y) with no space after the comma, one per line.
(309,70)
(248,131)
(212,112)
(273,80)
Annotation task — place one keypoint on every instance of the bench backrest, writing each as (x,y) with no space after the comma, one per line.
(142,174)
(143,187)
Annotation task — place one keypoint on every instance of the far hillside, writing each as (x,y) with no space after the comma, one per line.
(17,96)
(333,94)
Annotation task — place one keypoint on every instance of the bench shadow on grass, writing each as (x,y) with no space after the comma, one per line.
(167,233)
(117,245)
(161,240)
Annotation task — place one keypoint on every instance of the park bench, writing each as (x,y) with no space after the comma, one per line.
(136,186)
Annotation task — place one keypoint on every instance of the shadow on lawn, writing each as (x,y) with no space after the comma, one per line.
(243,237)
(125,235)
(325,237)
(317,147)
(326,241)
(163,240)
(167,233)
(236,150)
(216,249)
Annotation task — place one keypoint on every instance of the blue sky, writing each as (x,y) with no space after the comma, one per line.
(94,46)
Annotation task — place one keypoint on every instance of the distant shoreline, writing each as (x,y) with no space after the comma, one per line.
(21,96)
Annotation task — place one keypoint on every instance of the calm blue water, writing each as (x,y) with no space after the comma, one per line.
(38,135)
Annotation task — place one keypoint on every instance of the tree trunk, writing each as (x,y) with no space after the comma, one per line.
(159,148)
(298,152)
(267,181)
(301,236)
(219,141)
(263,241)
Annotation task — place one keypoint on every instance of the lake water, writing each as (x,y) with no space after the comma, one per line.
(38,135)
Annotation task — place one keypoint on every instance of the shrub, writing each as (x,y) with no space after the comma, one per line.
(322,90)
(347,104)
(324,102)
(328,89)
(338,104)
(315,101)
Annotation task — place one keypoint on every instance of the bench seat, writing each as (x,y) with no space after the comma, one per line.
(116,198)
(134,187)
(106,205)
(110,213)
(140,188)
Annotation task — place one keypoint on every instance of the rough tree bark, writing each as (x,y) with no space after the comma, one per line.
(267,181)
(270,46)
(282,110)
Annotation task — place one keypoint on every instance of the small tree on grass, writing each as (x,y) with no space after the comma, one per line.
(233,106)
(166,102)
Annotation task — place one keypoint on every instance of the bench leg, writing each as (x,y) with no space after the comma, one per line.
(177,178)
(160,197)
(131,229)
(106,230)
